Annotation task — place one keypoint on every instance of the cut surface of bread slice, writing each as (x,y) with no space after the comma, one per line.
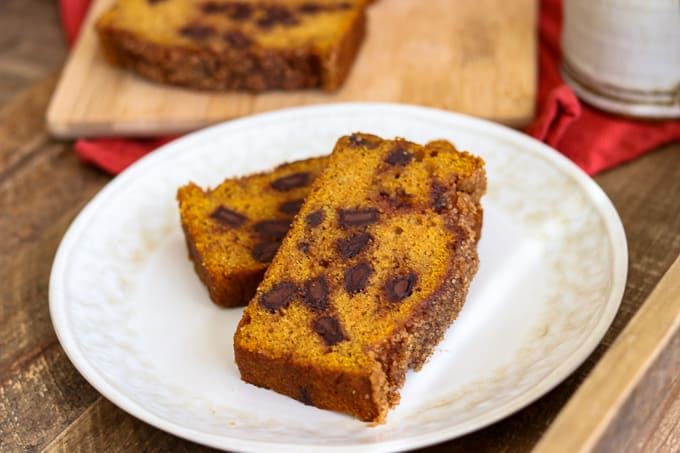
(250,45)
(375,268)
(234,230)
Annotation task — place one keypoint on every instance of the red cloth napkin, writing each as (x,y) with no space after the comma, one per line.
(114,155)
(593,139)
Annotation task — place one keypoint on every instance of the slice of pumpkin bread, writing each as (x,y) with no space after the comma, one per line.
(234,230)
(375,268)
(252,45)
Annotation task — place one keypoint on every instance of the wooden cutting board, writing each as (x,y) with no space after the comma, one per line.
(471,56)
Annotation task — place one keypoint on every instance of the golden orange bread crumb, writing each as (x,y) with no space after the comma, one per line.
(234,230)
(235,44)
(373,271)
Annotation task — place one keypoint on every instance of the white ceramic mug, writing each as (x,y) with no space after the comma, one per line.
(623,56)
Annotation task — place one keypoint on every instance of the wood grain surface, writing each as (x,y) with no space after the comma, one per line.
(45,405)
(472,56)
(28,52)
(613,389)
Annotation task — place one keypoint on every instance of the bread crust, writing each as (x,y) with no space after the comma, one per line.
(233,288)
(357,394)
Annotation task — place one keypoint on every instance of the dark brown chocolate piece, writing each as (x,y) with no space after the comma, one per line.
(197,32)
(291,182)
(315,218)
(315,8)
(213,7)
(240,11)
(399,156)
(399,288)
(352,246)
(311,8)
(439,199)
(291,207)
(357,217)
(279,296)
(272,228)
(329,329)
(357,141)
(400,199)
(237,39)
(305,397)
(316,293)
(228,217)
(304,246)
(356,277)
(277,15)
(236,11)
(264,251)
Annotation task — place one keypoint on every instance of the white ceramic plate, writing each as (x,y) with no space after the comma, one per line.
(134,319)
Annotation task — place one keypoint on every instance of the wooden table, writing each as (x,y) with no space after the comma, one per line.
(46,405)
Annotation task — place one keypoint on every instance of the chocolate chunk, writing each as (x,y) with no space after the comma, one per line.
(304,247)
(356,277)
(356,141)
(236,11)
(315,218)
(329,329)
(277,15)
(264,251)
(291,182)
(399,156)
(266,22)
(197,32)
(228,217)
(315,8)
(316,293)
(311,8)
(282,15)
(351,247)
(400,199)
(399,288)
(237,39)
(214,7)
(291,207)
(358,217)
(240,11)
(439,199)
(272,228)
(279,296)
(305,397)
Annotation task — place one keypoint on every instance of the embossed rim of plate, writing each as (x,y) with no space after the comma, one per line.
(599,200)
